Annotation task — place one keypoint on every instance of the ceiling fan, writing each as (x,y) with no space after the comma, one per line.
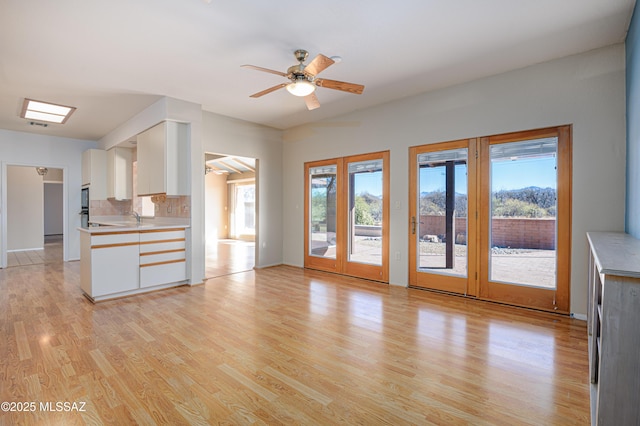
(303,79)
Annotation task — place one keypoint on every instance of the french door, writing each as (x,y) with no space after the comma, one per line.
(441,254)
(491,218)
(347,214)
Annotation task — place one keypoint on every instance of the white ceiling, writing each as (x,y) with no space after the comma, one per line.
(111,59)
(230,164)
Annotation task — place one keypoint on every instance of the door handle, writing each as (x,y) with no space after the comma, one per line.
(413,225)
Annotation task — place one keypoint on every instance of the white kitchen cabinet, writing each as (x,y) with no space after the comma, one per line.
(109,263)
(163,159)
(122,261)
(162,256)
(119,173)
(94,173)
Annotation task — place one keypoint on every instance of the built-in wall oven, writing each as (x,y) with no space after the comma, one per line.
(84,208)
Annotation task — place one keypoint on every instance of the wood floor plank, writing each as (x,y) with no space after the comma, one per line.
(24,351)
(300,387)
(140,331)
(284,345)
(102,362)
(248,383)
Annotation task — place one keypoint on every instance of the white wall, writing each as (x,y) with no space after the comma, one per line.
(54,175)
(224,135)
(586,90)
(32,149)
(53,209)
(25,209)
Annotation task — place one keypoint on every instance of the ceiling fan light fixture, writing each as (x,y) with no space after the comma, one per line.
(303,79)
(301,88)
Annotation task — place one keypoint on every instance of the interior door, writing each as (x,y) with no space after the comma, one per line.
(442,249)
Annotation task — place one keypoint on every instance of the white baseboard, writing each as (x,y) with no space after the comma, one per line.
(267,266)
(27,249)
(581,317)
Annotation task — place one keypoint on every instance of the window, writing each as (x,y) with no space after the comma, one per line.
(245,210)
(142,205)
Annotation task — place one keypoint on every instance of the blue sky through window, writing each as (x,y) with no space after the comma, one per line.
(505,175)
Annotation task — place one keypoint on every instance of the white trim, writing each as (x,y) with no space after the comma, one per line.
(246,181)
(271,265)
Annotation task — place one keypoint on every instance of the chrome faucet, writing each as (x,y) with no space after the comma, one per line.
(137,216)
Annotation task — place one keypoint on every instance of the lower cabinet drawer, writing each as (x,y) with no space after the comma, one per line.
(152,275)
(162,256)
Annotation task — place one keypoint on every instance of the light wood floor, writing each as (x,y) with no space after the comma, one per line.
(283,346)
(224,257)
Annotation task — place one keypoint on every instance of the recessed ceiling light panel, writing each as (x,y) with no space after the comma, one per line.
(44,111)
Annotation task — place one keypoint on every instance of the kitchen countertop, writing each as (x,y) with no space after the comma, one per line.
(101,224)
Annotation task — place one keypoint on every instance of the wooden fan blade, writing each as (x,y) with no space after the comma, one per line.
(312,101)
(269,90)
(253,67)
(340,85)
(319,64)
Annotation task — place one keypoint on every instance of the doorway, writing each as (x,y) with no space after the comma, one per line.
(230,214)
(35,218)
(491,218)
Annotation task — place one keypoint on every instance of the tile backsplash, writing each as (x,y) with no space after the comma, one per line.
(109,208)
(171,207)
(174,207)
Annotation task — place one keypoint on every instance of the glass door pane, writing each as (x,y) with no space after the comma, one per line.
(523,205)
(245,216)
(365,211)
(322,209)
(442,212)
